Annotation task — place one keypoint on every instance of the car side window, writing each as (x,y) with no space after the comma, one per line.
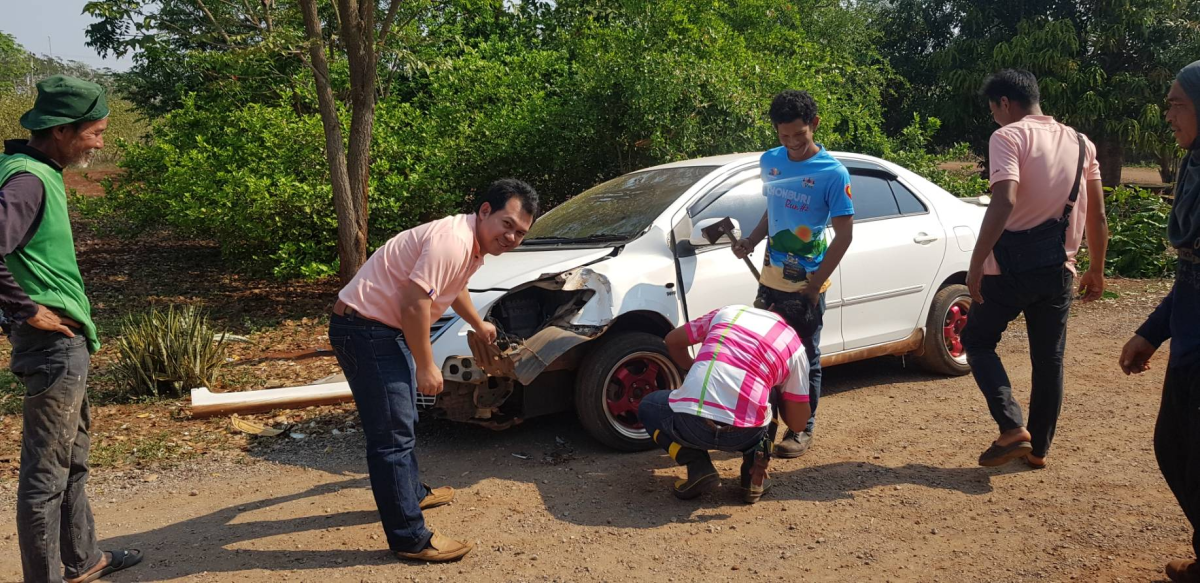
(744,202)
(909,203)
(872,198)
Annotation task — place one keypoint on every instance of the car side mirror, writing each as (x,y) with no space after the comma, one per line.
(698,240)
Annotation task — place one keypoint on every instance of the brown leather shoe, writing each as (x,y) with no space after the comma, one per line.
(1183,571)
(793,444)
(439,550)
(437,497)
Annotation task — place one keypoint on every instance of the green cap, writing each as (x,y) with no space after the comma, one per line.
(62,100)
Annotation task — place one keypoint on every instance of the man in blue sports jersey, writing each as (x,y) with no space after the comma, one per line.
(806,189)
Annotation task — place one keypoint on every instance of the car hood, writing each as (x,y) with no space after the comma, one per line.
(504,272)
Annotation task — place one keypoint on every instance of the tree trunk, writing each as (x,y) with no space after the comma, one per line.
(1110,153)
(358,35)
(352,240)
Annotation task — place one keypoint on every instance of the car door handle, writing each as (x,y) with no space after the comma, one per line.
(924,238)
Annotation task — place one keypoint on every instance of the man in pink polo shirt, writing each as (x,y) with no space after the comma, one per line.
(380,333)
(724,402)
(1046,194)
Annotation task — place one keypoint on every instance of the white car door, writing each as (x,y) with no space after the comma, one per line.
(714,278)
(888,272)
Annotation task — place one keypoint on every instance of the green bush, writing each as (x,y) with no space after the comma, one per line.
(1137,233)
(167,353)
(912,149)
(124,124)
(564,109)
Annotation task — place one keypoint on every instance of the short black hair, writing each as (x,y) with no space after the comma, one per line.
(500,191)
(792,105)
(1018,85)
(801,315)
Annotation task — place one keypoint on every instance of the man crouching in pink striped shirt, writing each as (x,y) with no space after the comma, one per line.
(725,402)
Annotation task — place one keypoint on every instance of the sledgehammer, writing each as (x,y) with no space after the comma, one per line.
(724,227)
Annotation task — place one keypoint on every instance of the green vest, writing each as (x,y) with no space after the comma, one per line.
(46,268)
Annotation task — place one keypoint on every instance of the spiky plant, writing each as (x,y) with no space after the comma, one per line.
(165,353)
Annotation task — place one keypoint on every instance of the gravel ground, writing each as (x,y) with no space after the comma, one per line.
(890,492)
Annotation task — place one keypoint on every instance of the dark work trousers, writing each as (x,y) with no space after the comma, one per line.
(1177,441)
(382,376)
(55,528)
(694,431)
(768,296)
(1044,296)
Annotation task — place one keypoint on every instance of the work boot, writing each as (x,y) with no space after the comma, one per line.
(1183,571)
(701,474)
(794,444)
(754,480)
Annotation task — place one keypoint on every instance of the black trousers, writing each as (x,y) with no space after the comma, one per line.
(1177,441)
(1044,296)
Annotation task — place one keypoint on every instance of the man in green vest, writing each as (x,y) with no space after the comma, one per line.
(48,320)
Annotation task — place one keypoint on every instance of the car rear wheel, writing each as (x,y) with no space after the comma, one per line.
(944,352)
(613,379)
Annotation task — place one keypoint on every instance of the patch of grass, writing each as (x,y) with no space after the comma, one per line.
(12,394)
(151,449)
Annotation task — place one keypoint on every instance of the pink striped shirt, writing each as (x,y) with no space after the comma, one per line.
(745,352)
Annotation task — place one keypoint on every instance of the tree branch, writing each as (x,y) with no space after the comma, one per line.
(214,22)
(388,20)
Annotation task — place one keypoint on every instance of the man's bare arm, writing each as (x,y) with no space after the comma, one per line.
(1091,284)
(795,414)
(1004,196)
(677,347)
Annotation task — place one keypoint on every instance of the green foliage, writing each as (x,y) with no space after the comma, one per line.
(168,353)
(12,63)
(563,96)
(1103,65)
(912,149)
(1137,225)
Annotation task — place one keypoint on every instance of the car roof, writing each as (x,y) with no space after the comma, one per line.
(748,157)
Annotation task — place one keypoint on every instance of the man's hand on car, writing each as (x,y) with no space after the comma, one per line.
(487,332)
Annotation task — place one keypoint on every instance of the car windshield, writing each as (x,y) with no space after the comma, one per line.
(617,210)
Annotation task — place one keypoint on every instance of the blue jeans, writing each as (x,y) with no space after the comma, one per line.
(692,430)
(768,296)
(382,376)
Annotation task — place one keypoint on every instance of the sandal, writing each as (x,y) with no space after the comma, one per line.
(1035,464)
(117,561)
(998,455)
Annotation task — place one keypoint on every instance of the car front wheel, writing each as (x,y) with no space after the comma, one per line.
(944,353)
(613,379)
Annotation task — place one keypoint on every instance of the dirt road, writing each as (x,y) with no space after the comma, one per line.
(890,492)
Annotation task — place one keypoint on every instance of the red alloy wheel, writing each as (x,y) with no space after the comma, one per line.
(956,320)
(634,377)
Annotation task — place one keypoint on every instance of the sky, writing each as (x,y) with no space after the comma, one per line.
(55,27)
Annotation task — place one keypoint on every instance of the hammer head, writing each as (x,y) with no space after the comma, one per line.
(715,231)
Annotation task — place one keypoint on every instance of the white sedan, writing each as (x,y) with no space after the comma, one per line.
(582,306)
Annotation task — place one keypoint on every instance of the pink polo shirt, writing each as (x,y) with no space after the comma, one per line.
(1042,156)
(439,256)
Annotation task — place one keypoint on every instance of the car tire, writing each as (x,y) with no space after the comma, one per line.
(612,379)
(943,332)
